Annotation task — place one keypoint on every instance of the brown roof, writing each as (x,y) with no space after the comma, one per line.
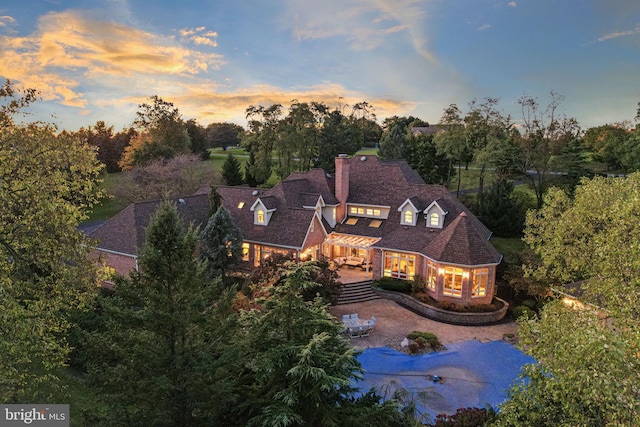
(124,232)
(460,243)
(288,224)
(462,240)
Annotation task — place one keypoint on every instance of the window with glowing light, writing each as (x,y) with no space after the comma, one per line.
(434,220)
(245,252)
(432,275)
(399,265)
(260,216)
(452,285)
(480,282)
(408,217)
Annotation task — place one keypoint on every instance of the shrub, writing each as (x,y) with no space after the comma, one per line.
(522,310)
(532,304)
(418,285)
(391,284)
(413,348)
(428,337)
(466,417)
(421,341)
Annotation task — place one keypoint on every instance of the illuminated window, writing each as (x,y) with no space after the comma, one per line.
(370,211)
(376,212)
(240,205)
(360,211)
(352,221)
(260,216)
(313,226)
(452,285)
(480,282)
(399,265)
(245,252)
(432,275)
(408,217)
(434,220)
(376,223)
(353,210)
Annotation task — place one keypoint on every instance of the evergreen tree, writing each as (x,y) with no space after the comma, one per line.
(221,244)
(501,211)
(249,177)
(165,329)
(421,153)
(392,143)
(295,369)
(231,172)
(215,200)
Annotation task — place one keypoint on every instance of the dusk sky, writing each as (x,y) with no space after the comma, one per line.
(97,60)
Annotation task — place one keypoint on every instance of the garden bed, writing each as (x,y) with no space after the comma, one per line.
(448,316)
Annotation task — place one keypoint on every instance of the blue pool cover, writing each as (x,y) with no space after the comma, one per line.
(470,374)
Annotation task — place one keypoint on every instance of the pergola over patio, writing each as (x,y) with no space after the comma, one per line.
(356,242)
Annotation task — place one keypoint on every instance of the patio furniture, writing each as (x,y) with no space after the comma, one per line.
(354,261)
(339,261)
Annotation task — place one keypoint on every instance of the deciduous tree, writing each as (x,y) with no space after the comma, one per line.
(589,373)
(48,182)
(162,134)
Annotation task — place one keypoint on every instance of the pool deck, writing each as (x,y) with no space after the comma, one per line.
(394,322)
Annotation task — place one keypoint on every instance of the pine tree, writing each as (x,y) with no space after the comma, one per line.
(231,172)
(296,369)
(221,244)
(164,333)
(501,211)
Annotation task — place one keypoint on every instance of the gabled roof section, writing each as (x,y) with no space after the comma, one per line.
(413,202)
(268,202)
(125,231)
(461,243)
(437,206)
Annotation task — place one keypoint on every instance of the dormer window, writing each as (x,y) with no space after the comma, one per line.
(261,213)
(434,220)
(434,214)
(408,212)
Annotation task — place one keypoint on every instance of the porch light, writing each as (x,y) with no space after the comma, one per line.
(465,274)
(441,271)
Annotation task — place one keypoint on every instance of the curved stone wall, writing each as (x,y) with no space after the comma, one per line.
(453,317)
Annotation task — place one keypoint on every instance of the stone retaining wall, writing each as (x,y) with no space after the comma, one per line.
(453,317)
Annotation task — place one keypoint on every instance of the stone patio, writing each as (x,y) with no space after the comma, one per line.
(394,322)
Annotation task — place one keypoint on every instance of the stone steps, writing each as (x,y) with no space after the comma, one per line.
(357,292)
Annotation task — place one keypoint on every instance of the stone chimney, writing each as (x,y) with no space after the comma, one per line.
(342,185)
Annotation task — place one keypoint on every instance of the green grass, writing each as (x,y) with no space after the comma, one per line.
(108,206)
(510,248)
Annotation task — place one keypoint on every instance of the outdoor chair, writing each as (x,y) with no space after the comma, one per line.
(345,318)
(354,316)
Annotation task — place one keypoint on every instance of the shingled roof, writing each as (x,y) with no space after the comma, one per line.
(124,233)
(460,243)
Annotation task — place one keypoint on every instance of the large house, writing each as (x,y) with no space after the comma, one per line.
(377,215)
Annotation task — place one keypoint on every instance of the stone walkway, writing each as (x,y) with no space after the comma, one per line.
(394,322)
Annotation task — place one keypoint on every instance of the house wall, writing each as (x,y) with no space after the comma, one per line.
(123,264)
(315,237)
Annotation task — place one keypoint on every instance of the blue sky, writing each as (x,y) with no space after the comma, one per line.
(97,60)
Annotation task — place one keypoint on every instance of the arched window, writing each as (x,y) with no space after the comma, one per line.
(260,216)
(408,217)
(434,220)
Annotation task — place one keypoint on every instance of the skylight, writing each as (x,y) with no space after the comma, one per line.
(376,223)
(240,205)
(352,221)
